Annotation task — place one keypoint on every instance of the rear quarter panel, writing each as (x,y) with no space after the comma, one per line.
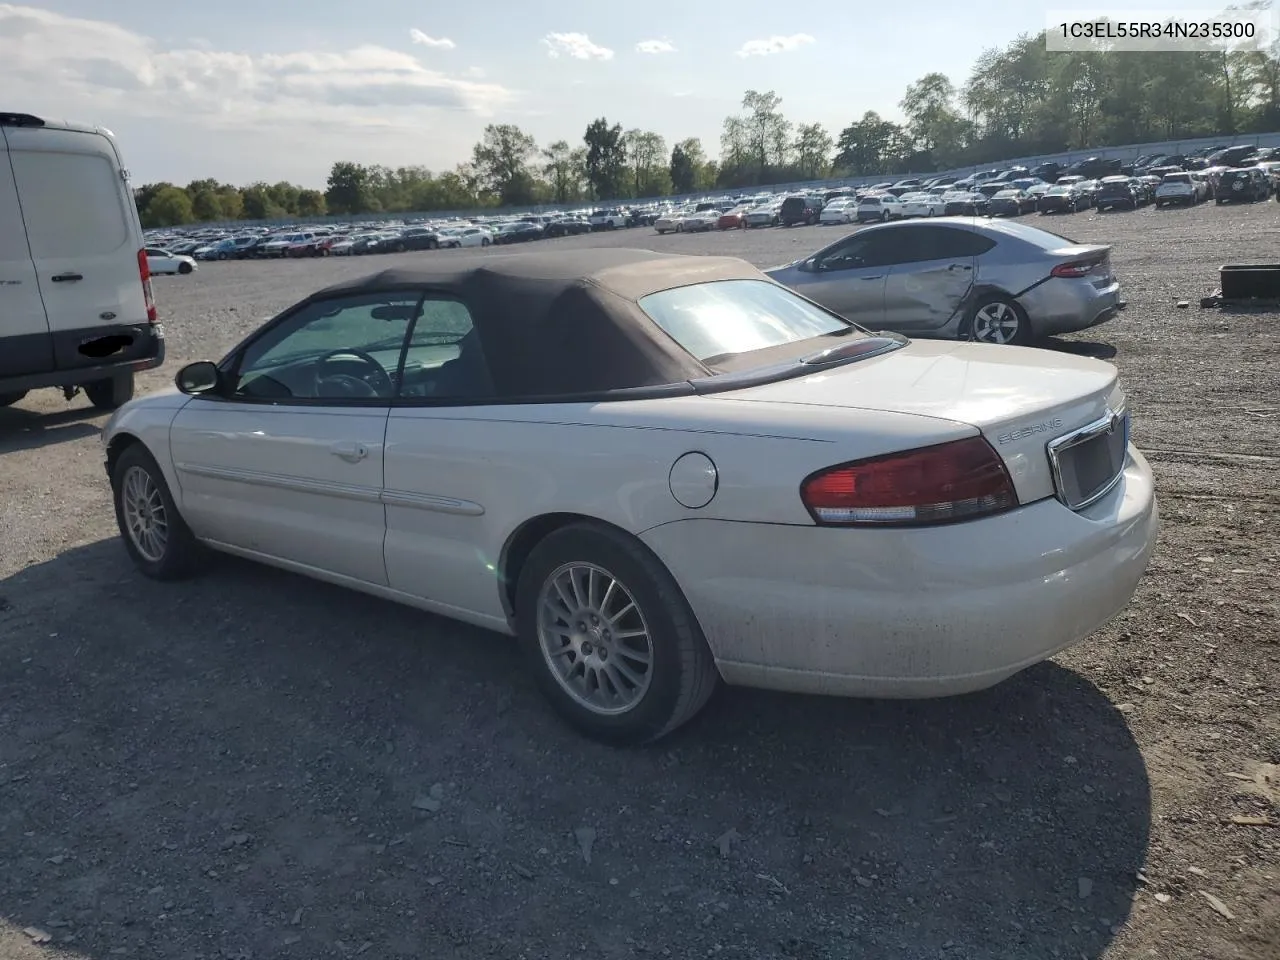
(610,462)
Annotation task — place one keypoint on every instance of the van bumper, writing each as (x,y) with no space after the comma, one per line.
(144,356)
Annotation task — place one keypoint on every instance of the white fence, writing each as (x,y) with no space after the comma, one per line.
(1128,152)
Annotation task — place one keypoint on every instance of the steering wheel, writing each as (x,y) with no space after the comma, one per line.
(375,382)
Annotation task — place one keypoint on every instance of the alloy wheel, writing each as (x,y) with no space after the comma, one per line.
(996,322)
(144,514)
(594,638)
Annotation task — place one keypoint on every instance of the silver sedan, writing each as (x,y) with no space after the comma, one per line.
(961,278)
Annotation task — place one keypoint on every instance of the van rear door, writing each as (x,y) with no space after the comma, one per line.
(26,346)
(84,237)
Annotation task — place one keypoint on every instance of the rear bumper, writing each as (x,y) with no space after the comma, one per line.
(141,356)
(911,613)
(1064,306)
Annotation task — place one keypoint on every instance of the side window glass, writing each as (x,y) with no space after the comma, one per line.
(445,359)
(952,242)
(338,350)
(858,251)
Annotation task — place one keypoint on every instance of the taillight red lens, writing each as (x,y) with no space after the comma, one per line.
(144,273)
(961,480)
(1071,271)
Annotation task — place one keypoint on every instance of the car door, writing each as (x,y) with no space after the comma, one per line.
(84,238)
(286,463)
(26,346)
(437,486)
(849,276)
(932,273)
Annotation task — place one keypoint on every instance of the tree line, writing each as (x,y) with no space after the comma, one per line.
(1019,100)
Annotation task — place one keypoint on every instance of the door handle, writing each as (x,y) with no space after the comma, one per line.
(64,277)
(960,266)
(349,450)
(878,276)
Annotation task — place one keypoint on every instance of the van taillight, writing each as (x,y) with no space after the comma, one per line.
(961,480)
(144,272)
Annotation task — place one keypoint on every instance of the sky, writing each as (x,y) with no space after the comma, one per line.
(245,90)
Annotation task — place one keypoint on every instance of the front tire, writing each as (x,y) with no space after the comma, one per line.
(610,637)
(185,268)
(154,533)
(110,393)
(997,319)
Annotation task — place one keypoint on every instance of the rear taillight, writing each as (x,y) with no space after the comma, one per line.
(961,480)
(1074,270)
(144,273)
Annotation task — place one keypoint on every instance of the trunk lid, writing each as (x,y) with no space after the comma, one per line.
(1020,398)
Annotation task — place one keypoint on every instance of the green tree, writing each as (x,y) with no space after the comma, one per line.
(205,205)
(563,170)
(647,157)
(169,207)
(686,159)
(231,203)
(143,195)
(311,203)
(868,146)
(936,129)
(606,159)
(501,159)
(348,188)
(813,151)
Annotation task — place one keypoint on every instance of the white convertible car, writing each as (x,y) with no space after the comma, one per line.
(657,472)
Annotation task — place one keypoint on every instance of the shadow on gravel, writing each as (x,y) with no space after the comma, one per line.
(30,429)
(254,765)
(1083,348)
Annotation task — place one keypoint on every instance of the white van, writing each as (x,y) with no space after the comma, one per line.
(76,309)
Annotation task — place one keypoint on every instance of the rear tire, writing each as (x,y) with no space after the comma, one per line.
(989,320)
(154,533)
(110,393)
(635,703)
(9,399)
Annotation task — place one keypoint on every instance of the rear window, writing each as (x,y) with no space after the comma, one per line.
(1044,239)
(1177,178)
(71,203)
(717,320)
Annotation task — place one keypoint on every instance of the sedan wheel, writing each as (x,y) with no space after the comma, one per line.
(154,533)
(997,320)
(610,636)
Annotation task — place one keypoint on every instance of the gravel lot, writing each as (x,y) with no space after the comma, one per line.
(238,766)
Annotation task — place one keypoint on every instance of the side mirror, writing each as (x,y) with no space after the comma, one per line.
(198,378)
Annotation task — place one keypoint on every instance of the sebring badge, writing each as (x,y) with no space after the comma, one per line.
(1030,430)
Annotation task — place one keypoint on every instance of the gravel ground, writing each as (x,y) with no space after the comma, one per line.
(252,765)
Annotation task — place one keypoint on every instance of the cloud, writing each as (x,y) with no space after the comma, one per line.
(442,43)
(775,44)
(655,46)
(575,45)
(50,59)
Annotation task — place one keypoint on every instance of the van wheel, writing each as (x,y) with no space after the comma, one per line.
(110,393)
(157,538)
(610,637)
(9,399)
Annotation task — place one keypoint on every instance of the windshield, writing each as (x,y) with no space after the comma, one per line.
(717,320)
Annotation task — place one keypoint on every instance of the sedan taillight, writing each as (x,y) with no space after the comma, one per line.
(961,480)
(1074,270)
